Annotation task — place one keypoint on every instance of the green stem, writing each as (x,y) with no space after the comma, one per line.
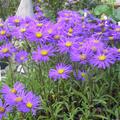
(11,72)
(21,116)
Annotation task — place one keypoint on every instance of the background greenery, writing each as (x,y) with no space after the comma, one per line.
(51,7)
(96,99)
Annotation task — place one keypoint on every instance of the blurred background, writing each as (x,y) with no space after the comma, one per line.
(51,7)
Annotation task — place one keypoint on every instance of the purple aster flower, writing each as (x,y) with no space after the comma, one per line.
(82,55)
(93,45)
(103,60)
(114,51)
(68,17)
(15,99)
(6,50)
(58,33)
(4,109)
(43,54)
(20,32)
(67,45)
(14,21)
(30,103)
(36,35)
(18,87)
(21,57)
(117,51)
(80,75)
(61,71)
(39,25)
(4,34)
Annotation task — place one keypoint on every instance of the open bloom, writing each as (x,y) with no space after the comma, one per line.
(43,54)
(82,56)
(6,50)
(67,45)
(4,109)
(21,57)
(15,99)
(14,21)
(61,71)
(18,87)
(103,60)
(30,103)
(4,34)
(80,75)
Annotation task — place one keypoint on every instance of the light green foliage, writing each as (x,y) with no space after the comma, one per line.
(100,9)
(96,98)
(8,7)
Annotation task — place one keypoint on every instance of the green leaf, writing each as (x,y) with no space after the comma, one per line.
(100,116)
(117,14)
(100,9)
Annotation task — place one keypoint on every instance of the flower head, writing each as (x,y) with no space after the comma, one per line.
(21,57)
(80,75)
(18,87)
(6,50)
(66,45)
(103,60)
(43,54)
(30,103)
(4,109)
(61,71)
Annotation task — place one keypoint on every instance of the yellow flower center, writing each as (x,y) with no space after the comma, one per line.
(61,71)
(22,58)
(59,28)
(67,19)
(69,34)
(82,18)
(81,43)
(105,51)
(27,24)
(5,50)
(118,50)
(50,31)
(83,57)
(13,90)
(2,32)
(2,109)
(117,29)
(101,24)
(102,57)
(29,104)
(44,52)
(39,24)
(56,37)
(16,20)
(66,14)
(68,44)
(83,74)
(38,35)
(83,26)
(22,30)
(99,33)
(18,99)
(93,48)
(96,41)
(111,38)
(70,30)
(1,24)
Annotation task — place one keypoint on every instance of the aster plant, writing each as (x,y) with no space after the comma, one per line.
(68,62)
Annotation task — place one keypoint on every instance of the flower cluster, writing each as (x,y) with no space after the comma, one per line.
(84,40)
(17,98)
